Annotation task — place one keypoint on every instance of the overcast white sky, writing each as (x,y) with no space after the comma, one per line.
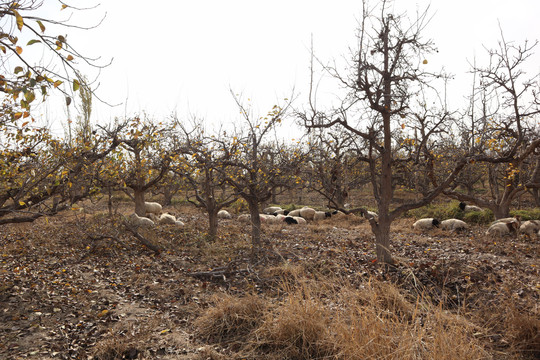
(183,56)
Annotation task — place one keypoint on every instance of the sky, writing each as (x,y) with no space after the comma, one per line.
(185,57)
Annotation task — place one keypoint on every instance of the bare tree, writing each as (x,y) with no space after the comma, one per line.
(245,162)
(506,139)
(202,166)
(386,74)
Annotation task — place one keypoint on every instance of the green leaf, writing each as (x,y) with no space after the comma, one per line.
(31,42)
(76,85)
(18,69)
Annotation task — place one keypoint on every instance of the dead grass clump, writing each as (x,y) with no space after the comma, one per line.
(299,328)
(231,318)
(115,348)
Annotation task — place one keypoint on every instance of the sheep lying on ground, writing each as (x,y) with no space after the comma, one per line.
(244,218)
(453,224)
(139,221)
(167,219)
(307,213)
(426,224)
(294,212)
(530,228)
(370,214)
(507,220)
(224,214)
(152,208)
(271,210)
(321,215)
(502,228)
(467,208)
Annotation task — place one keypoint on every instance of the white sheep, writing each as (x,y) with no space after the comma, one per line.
(281,212)
(426,224)
(307,213)
(453,224)
(467,208)
(294,212)
(167,219)
(244,218)
(224,214)
(370,214)
(529,228)
(152,207)
(502,228)
(300,219)
(321,215)
(179,223)
(139,221)
(508,220)
(271,210)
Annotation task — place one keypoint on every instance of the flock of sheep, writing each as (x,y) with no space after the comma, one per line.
(276,214)
(153,215)
(500,227)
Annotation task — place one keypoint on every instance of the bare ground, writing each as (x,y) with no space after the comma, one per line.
(67,292)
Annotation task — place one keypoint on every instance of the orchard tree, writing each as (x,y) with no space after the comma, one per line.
(245,161)
(386,74)
(144,158)
(200,162)
(35,166)
(503,137)
(334,168)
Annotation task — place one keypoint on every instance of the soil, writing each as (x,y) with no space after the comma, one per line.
(78,286)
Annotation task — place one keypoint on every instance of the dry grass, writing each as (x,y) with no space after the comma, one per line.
(333,320)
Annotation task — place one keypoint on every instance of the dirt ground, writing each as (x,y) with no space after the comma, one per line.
(78,286)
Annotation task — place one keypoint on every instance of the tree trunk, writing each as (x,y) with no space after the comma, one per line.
(139,202)
(109,202)
(382,240)
(212,223)
(255,225)
(501,211)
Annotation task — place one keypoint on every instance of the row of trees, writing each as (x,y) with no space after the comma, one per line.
(383,135)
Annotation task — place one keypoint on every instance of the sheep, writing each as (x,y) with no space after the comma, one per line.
(244,218)
(453,224)
(426,224)
(467,208)
(139,221)
(508,220)
(179,223)
(502,228)
(290,220)
(294,212)
(271,210)
(281,212)
(300,219)
(307,213)
(321,215)
(370,214)
(167,219)
(152,207)
(224,214)
(529,228)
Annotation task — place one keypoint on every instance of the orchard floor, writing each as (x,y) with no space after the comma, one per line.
(78,286)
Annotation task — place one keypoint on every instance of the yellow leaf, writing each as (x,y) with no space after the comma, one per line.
(64,6)
(41,26)
(69,58)
(17,115)
(164,331)
(424,62)
(76,85)
(57,83)
(18,49)
(103,313)
(19,18)
(22,203)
